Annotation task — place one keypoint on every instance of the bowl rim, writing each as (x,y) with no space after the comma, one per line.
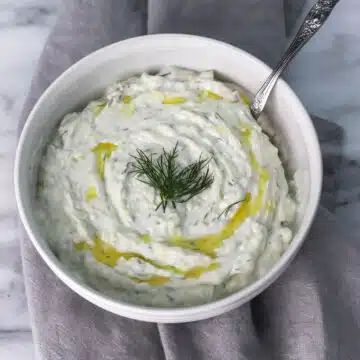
(175,314)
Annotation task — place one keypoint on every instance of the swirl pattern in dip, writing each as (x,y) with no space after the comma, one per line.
(102,221)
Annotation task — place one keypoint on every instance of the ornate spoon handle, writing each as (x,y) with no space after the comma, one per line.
(312,23)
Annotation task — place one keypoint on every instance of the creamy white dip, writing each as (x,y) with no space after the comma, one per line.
(102,221)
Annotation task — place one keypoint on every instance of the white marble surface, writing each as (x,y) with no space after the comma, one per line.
(24,26)
(325,75)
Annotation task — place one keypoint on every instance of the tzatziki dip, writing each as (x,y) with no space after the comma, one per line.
(165,192)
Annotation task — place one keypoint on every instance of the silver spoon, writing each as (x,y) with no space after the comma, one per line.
(312,23)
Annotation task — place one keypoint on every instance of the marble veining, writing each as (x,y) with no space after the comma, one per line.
(24,26)
(325,75)
(26,15)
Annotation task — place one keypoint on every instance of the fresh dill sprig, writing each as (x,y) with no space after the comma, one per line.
(173,183)
(229,207)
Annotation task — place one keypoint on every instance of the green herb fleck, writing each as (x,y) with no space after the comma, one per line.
(229,207)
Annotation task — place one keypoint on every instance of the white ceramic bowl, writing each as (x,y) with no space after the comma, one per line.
(86,79)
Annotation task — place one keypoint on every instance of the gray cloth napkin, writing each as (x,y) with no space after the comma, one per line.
(310,313)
